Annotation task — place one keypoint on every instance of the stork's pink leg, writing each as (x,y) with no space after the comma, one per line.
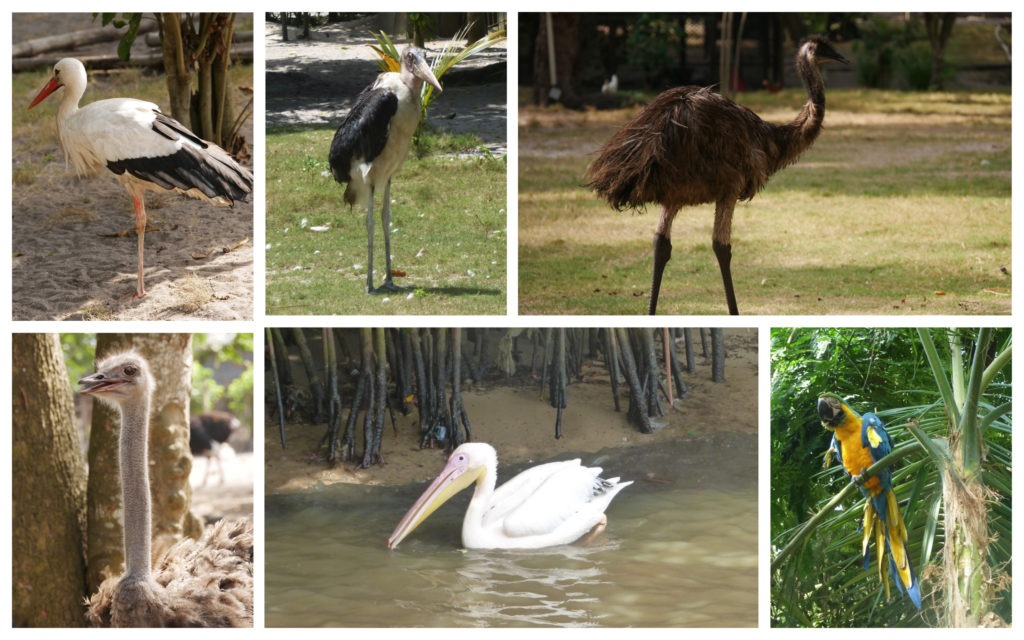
(140,231)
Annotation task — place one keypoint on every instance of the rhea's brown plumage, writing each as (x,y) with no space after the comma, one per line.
(691,145)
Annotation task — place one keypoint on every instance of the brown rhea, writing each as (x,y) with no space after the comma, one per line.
(692,145)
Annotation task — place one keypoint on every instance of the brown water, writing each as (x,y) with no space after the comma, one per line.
(679,554)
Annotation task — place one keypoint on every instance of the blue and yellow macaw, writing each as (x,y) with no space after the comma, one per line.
(860,442)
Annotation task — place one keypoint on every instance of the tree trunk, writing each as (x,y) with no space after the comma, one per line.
(477,26)
(207,51)
(177,67)
(565,28)
(170,361)
(939,27)
(48,504)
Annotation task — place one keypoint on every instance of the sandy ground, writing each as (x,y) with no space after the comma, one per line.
(74,243)
(231,498)
(316,81)
(711,419)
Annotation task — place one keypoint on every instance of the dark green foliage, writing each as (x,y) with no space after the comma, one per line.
(886,371)
(656,44)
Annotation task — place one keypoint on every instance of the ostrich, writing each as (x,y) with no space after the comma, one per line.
(205,583)
(691,146)
(372,141)
(147,150)
(207,432)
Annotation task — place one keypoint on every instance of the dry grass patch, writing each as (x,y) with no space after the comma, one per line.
(902,206)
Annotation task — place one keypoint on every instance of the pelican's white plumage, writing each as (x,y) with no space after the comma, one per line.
(548,505)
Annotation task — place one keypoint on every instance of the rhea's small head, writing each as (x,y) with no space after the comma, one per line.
(119,378)
(819,49)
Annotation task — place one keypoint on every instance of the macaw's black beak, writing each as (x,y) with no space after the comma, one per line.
(830,411)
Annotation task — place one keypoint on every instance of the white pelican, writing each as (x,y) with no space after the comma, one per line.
(549,505)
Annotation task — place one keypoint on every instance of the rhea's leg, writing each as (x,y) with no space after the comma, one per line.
(140,231)
(385,215)
(662,254)
(369,243)
(722,244)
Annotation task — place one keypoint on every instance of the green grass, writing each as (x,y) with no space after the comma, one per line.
(901,207)
(448,232)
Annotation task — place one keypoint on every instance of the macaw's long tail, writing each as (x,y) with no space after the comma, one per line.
(882,520)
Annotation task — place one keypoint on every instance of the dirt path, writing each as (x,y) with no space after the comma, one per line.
(315,81)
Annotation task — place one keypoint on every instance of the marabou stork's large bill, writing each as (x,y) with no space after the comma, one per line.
(144,148)
(548,505)
(372,142)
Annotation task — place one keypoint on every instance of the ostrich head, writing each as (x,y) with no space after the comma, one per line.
(119,379)
(817,49)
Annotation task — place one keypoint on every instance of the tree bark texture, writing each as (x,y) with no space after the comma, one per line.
(48,503)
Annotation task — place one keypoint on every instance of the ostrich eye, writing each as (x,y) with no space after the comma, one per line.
(131,370)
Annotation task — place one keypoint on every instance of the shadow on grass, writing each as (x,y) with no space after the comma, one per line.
(459,291)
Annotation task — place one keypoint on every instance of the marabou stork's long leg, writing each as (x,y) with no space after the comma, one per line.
(385,216)
(369,243)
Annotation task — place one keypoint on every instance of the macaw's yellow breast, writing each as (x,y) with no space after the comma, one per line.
(856,457)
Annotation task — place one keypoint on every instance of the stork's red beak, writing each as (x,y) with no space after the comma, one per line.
(50,87)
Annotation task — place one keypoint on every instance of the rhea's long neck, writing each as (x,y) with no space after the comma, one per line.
(795,137)
(813,114)
(135,488)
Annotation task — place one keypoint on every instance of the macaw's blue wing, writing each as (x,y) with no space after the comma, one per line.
(874,436)
(882,518)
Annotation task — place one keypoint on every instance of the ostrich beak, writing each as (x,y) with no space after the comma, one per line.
(453,479)
(50,87)
(99,383)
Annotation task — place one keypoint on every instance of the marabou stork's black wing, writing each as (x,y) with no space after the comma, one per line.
(364,131)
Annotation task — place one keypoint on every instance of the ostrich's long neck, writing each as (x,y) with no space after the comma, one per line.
(135,487)
(801,133)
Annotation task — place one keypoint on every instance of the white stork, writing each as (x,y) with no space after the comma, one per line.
(373,140)
(146,149)
(545,506)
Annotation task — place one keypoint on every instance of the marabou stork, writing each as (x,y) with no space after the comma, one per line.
(146,149)
(372,142)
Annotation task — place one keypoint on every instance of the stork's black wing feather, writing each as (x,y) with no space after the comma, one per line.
(201,165)
(364,131)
